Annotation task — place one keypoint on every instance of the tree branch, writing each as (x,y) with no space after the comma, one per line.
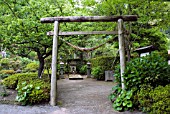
(10,8)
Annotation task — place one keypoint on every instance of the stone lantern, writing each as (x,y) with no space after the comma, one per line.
(88,70)
(61,70)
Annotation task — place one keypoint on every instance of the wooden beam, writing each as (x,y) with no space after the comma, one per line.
(51,33)
(89,18)
(121,50)
(53,92)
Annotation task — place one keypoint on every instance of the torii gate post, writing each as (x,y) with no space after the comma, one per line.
(121,50)
(53,92)
(57,20)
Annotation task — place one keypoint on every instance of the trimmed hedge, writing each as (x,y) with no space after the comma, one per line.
(104,63)
(12,81)
(31,67)
(6,73)
(155,101)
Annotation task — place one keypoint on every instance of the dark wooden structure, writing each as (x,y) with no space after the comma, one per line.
(145,50)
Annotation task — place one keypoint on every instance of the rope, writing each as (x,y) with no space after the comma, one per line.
(85,49)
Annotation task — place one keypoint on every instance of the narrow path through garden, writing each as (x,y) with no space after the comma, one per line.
(86,96)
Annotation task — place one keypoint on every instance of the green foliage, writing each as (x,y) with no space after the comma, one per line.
(23,93)
(34,91)
(32,67)
(5,62)
(155,101)
(30,88)
(97,73)
(24,62)
(116,90)
(100,65)
(14,63)
(83,69)
(79,64)
(153,19)
(124,101)
(152,69)
(12,81)
(6,73)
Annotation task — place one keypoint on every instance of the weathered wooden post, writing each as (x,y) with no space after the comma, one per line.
(121,50)
(53,92)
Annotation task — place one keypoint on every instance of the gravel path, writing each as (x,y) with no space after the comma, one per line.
(86,96)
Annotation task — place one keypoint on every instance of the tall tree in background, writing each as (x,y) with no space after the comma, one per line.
(153,16)
(21,29)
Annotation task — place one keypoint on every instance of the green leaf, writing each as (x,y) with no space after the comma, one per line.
(118,104)
(128,97)
(125,103)
(118,108)
(129,104)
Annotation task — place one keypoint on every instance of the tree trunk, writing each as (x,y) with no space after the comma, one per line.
(41,67)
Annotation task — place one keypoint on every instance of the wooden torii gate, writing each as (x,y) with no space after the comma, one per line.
(56,33)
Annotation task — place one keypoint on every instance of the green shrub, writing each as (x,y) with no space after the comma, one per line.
(30,88)
(24,62)
(13,80)
(6,73)
(36,91)
(32,67)
(97,73)
(83,69)
(79,65)
(105,63)
(15,64)
(5,63)
(155,101)
(152,69)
